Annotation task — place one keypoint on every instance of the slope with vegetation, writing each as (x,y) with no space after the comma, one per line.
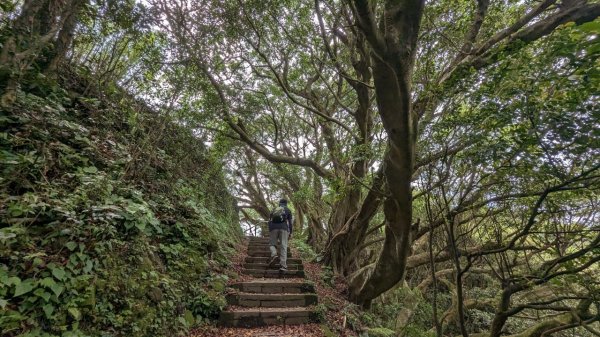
(115,220)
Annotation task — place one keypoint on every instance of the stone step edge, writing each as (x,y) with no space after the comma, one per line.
(291,266)
(258,259)
(272,300)
(267,316)
(263,249)
(269,271)
(272,287)
(273,273)
(239,292)
(258,253)
(273,295)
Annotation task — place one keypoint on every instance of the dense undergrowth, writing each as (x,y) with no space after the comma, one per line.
(114,221)
(400,312)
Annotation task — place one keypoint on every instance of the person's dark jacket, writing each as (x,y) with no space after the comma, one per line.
(287,224)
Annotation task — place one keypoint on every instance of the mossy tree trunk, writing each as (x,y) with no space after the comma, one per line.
(393,49)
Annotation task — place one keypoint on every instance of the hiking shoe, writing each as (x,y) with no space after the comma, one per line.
(283,269)
(273,260)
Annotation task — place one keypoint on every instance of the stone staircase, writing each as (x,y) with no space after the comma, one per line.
(272,297)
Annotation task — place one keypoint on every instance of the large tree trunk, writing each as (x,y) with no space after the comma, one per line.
(315,232)
(391,263)
(393,43)
(351,216)
(501,315)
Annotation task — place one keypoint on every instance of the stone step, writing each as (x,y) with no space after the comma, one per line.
(263,266)
(264,248)
(273,273)
(274,287)
(272,300)
(260,317)
(259,243)
(264,254)
(262,245)
(265,260)
(258,239)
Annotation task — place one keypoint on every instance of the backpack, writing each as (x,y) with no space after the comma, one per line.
(279,215)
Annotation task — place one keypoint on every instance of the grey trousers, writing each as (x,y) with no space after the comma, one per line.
(280,235)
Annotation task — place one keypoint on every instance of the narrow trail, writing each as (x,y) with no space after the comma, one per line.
(272,297)
(266,303)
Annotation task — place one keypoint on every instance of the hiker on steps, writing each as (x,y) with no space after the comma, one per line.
(280,229)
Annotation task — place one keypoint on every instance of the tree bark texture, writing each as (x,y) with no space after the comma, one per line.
(34,30)
(344,246)
(65,36)
(393,42)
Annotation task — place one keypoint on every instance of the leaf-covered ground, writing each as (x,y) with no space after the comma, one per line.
(309,330)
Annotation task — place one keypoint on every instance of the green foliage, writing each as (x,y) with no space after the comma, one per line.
(381,332)
(328,276)
(386,313)
(320,311)
(106,232)
(7,5)
(306,251)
